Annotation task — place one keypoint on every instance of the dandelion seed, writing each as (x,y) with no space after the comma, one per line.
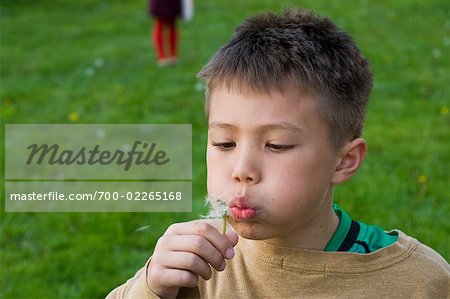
(100,133)
(89,71)
(199,87)
(436,53)
(99,62)
(142,228)
(217,209)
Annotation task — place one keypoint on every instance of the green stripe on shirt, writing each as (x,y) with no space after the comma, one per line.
(369,238)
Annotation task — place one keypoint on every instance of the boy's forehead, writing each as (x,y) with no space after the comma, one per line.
(231,102)
(289,108)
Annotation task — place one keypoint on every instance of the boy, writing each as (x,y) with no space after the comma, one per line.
(286,100)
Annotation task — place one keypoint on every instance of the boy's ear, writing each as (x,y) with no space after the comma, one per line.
(352,156)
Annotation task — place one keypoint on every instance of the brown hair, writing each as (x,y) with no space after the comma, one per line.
(268,50)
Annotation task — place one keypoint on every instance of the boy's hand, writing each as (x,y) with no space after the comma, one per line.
(186,251)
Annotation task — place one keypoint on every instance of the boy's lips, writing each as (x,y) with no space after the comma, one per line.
(243,213)
(241,209)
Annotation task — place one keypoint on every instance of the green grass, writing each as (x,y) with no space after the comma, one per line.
(48,47)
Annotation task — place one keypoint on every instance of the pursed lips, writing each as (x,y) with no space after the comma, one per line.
(241,209)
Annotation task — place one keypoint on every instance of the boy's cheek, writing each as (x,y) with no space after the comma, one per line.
(214,180)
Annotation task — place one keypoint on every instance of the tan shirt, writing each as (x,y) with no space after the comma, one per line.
(406,269)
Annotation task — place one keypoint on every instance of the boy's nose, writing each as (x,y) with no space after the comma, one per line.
(245,170)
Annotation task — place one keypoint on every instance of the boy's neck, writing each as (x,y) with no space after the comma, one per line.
(315,235)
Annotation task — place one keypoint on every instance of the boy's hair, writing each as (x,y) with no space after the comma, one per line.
(269,50)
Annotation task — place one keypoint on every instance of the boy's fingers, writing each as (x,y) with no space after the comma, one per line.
(197,245)
(189,261)
(232,237)
(178,278)
(166,282)
(208,232)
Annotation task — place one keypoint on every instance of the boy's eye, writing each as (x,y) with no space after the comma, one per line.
(279,147)
(224,146)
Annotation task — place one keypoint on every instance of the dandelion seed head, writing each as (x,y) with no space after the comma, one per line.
(217,207)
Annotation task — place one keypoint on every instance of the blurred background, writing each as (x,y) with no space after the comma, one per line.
(94,62)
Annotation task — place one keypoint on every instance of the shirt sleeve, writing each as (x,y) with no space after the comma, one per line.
(135,287)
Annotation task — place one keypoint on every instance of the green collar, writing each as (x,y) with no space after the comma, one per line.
(357,237)
(341,232)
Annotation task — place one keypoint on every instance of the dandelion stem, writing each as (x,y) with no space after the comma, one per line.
(224,229)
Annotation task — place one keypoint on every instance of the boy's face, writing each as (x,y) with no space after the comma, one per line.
(269,157)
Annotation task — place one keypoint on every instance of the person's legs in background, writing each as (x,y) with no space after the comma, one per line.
(173,37)
(165,35)
(158,40)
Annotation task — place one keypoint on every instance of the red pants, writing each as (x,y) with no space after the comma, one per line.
(165,34)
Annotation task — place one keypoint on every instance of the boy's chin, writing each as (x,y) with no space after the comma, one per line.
(249,230)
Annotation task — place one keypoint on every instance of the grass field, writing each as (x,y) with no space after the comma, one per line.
(92,62)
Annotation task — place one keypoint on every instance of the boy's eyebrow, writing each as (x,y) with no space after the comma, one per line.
(274,126)
(281,126)
(216,124)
